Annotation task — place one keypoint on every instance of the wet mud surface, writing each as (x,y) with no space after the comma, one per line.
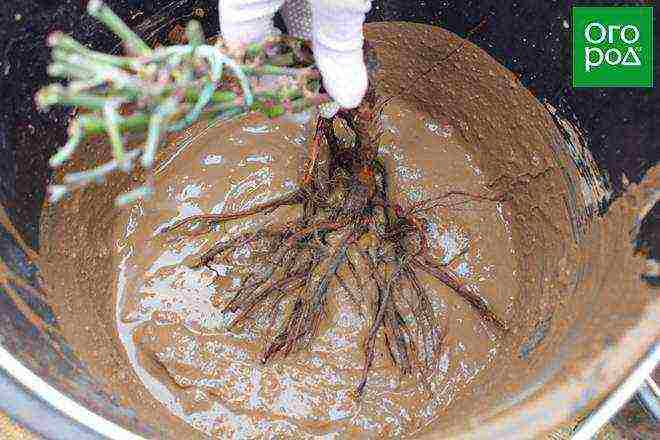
(152,327)
(170,316)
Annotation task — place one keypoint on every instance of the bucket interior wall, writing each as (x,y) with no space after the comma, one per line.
(580,177)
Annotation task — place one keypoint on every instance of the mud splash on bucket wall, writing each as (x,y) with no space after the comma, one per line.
(146,323)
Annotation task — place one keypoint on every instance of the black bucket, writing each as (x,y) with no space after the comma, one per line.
(48,389)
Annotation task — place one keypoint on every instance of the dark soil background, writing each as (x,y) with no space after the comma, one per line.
(530,37)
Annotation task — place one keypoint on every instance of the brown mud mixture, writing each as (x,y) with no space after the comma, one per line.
(171,315)
(140,317)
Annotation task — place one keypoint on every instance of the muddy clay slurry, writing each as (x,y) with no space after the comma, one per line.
(170,312)
(154,324)
(421,290)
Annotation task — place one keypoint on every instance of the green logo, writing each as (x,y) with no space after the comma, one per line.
(613,46)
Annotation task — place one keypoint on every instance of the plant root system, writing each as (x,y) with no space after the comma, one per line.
(347,220)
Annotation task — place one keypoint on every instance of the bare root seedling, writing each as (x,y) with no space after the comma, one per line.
(348,217)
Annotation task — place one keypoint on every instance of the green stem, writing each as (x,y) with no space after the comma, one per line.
(56,94)
(202,101)
(68,45)
(166,89)
(194,33)
(219,96)
(68,71)
(96,174)
(142,192)
(156,128)
(96,125)
(269,69)
(99,10)
(76,135)
(112,119)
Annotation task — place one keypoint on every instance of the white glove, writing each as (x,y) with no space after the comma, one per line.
(334,26)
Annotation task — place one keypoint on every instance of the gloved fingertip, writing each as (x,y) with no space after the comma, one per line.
(349,100)
(244,22)
(348,90)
